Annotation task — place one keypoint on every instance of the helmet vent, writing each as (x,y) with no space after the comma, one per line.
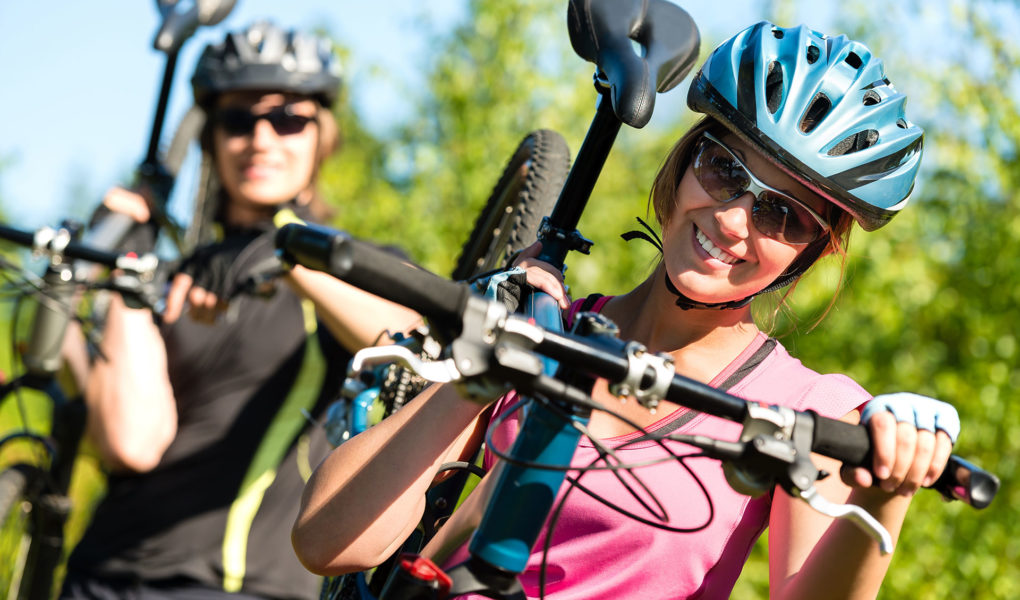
(819,107)
(778,33)
(774,87)
(853,60)
(902,124)
(812,54)
(871,98)
(854,143)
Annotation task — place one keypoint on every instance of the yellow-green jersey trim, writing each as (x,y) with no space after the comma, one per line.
(289,420)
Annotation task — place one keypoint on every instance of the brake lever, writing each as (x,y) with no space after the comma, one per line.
(851,512)
(437,371)
(774,450)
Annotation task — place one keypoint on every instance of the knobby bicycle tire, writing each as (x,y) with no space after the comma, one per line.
(525,193)
(15,526)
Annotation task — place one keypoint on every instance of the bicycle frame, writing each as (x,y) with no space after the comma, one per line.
(179,22)
(514,518)
(485,341)
(513,521)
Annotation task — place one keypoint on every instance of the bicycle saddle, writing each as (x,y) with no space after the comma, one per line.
(603,32)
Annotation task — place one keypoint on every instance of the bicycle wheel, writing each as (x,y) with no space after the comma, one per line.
(525,193)
(15,527)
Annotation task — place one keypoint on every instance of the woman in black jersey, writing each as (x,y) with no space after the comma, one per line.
(201,418)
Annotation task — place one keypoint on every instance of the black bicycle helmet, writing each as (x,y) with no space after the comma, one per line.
(265,57)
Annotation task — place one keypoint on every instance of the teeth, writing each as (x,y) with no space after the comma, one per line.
(714,250)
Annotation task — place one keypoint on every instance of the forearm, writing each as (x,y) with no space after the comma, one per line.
(356,318)
(814,556)
(132,415)
(846,562)
(367,496)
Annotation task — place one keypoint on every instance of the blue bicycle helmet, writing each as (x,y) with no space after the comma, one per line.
(821,108)
(265,57)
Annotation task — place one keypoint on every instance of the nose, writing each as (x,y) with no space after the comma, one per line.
(734,217)
(263,133)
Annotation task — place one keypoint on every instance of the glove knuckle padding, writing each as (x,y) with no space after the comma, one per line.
(921,411)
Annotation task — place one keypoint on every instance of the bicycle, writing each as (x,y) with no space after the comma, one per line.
(481,340)
(34,500)
(773,449)
(509,222)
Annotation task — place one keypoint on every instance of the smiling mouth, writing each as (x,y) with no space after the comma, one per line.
(258,171)
(716,252)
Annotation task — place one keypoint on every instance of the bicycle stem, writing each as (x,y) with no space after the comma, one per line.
(559,232)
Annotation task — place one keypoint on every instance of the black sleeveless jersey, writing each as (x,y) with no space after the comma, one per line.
(219,507)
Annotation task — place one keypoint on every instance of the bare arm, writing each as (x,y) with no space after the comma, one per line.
(132,414)
(368,495)
(813,556)
(355,317)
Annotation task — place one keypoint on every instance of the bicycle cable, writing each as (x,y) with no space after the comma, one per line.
(605,454)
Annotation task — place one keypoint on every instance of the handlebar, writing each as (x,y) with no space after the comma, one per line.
(50,241)
(444,303)
(42,356)
(368,267)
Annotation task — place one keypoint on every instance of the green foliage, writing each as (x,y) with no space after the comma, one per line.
(929,299)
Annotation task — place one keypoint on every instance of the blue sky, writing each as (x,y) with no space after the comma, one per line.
(80,81)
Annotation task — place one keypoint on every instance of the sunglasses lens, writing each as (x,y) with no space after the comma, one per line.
(285,123)
(718,173)
(722,176)
(781,219)
(235,121)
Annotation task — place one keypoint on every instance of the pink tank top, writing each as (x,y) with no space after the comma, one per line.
(700,548)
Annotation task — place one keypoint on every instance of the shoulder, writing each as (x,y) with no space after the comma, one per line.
(784,380)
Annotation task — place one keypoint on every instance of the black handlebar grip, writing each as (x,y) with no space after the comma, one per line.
(376,271)
(964,481)
(25,238)
(960,480)
(843,441)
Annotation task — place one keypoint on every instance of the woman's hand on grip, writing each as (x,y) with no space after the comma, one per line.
(912,438)
(542,275)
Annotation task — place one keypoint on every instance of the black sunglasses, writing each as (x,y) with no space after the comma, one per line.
(774,213)
(239,121)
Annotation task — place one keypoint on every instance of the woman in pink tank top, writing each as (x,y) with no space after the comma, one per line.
(803,136)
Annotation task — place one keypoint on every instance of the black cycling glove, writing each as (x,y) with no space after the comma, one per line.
(218,267)
(506,286)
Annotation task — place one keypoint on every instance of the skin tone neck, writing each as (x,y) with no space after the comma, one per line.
(699,339)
